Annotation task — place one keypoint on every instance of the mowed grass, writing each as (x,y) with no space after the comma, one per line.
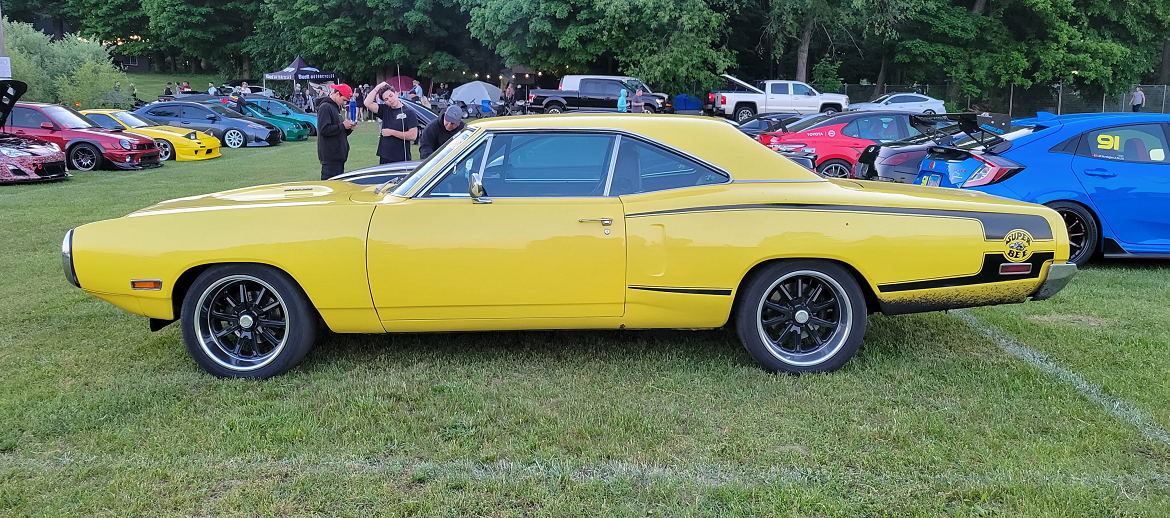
(100,417)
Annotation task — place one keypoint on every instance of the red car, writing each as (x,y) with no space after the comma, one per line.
(839,139)
(23,158)
(87,146)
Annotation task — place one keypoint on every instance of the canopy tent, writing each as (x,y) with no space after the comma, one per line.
(474,92)
(401,83)
(299,70)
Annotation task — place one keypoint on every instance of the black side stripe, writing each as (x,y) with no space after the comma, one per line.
(995,225)
(692,291)
(989,273)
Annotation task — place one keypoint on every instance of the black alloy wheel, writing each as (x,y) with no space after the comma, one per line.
(165,150)
(247,321)
(84,157)
(802,316)
(1083,232)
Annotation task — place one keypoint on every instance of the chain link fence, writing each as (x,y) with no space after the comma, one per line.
(1019,102)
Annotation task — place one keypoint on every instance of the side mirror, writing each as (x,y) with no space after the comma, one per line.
(476,190)
(212,117)
(810,93)
(48,126)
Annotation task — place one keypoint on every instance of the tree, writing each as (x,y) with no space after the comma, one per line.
(41,62)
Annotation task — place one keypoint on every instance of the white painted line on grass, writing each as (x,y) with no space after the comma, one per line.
(1114,405)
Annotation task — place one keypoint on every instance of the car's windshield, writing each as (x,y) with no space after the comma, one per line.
(133,121)
(419,172)
(225,111)
(261,111)
(634,85)
(881,99)
(293,108)
(808,122)
(69,118)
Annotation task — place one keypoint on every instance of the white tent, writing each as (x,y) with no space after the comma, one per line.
(474,92)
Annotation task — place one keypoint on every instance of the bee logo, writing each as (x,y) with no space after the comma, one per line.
(1017,246)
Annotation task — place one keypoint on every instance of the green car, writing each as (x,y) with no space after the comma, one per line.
(288,110)
(291,128)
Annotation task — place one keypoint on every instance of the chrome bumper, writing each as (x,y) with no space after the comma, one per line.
(1058,277)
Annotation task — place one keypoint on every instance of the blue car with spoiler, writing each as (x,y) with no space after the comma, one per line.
(1107,174)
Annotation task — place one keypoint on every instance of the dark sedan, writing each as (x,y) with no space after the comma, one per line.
(233,129)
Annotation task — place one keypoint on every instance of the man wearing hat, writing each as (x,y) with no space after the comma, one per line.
(440,130)
(333,131)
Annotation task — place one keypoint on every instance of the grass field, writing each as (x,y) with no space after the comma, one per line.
(1055,408)
(150,85)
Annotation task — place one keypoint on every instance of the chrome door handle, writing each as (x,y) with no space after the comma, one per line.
(604,221)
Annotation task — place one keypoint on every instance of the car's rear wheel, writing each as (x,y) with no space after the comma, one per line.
(834,168)
(744,113)
(84,157)
(247,321)
(1083,232)
(928,112)
(802,316)
(234,138)
(165,150)
(554,108)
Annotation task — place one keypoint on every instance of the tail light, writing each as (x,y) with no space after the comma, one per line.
(902,158)
(531,97)
(993,170)
(711,97)
(561,85)
(722,99)
(786,146)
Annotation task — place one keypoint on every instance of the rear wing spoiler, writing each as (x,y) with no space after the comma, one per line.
(986,128)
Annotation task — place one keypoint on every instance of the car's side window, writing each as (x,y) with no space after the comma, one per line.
(165,110)
(778,88)
(641,167)
(104,120)
(191,112)
(899,99)
(879,127)
(547,165)
(1141,143)
(457,178)
(591,87)
(800,89)
(850,130)
(28,118)
(613,88)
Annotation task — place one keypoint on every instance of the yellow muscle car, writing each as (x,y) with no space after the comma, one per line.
(173,142)
(568,222)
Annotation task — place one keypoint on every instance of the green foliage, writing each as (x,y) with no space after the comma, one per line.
(41,63)
(826,74)
(92,86)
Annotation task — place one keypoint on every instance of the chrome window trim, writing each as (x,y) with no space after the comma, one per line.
(617,144)
(423,187)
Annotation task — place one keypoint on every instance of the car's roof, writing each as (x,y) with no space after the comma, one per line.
(42,105)
(101,110)
(703,137)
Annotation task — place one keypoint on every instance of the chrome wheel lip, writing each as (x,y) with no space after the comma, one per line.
(203,334)
(165,150)
(233,142)
(835,341)
(83,156)
(835,167)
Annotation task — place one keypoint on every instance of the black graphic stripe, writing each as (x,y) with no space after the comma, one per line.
(989,273)
(995,225)
(692,291)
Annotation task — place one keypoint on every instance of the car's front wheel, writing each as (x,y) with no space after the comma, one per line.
(247,321)
(801,316)
(84,157)
(1083,232)
(234,138)
(166,151)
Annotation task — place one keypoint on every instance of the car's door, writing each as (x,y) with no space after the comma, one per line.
(1126,172)
(29,121)
(197,118)
(549,245)
(779,98)
(166,114)
(804,99)
(591,95)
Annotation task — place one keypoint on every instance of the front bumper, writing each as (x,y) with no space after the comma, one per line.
(297,134)
(201,152)
(260,138)
(134,159)
(1059,274)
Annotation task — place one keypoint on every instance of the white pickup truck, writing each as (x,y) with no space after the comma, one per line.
(741,101)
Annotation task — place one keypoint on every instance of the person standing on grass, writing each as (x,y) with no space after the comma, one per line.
(439,131)
(399,125)
(333,131)
(240,100)
(168,90)
(1139,99)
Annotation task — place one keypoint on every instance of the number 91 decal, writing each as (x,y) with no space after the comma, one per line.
(1109,142)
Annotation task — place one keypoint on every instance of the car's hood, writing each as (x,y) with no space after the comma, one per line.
(10,92)
(843,99)
(254,120)
(864,106)
(26,143)
(119,134)
(168,131)
(259,197)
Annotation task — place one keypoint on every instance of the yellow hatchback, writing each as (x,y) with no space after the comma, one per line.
(568,222)
(173,142)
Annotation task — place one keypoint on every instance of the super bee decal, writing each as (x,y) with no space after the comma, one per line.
(1017,246)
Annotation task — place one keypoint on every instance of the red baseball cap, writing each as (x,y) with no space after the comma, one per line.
(343,89)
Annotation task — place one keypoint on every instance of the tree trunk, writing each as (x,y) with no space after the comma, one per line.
(1164,76)
(880,84)
(246,67)
(58,28)
(802,52)
(979,7)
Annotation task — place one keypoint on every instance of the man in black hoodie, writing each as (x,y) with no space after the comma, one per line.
(333,131)
(440,130)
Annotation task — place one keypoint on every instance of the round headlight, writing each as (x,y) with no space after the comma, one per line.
(13,153)
(125,144)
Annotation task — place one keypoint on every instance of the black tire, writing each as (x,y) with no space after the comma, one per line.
(251,343)
(312,130)
(554,108)
(744,112)
(830,109)
(834,168)
(770,311)
(928,112)
(166,151)
(1084,234)
(84,157)
(236,137)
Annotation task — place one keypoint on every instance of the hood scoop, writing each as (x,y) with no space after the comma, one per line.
(276,192)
